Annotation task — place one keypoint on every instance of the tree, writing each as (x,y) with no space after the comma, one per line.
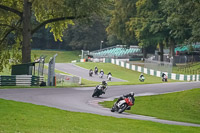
(183,19)
(86,36)
(56,14)
(120,15)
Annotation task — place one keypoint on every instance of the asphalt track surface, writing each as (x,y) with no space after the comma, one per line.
(82,72)
(80,99)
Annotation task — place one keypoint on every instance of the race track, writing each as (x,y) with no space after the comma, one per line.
(82,72)
(80,100)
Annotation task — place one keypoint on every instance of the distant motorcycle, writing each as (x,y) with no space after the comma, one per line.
(109,77)
(122,105)
(98,91)
(96,71)
(164,78)
(101,75)
(142,79)
(90,73)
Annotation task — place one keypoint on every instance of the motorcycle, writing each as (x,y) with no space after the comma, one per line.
(90,73)
(98,91)
(164,78)
(122,105)
(101,75)
(142,79)
(109,77)
(96,71)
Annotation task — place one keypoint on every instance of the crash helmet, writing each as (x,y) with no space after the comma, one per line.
(104,83)
(131,94)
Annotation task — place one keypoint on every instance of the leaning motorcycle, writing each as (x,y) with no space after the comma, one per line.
(101,75)
(142,79)
(96,71)
(90,73)
(109,77)
(122,105)
(164,78)
(98,91)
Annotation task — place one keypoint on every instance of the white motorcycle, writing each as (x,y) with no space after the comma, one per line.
(142,79)
(101,75)
(109,77)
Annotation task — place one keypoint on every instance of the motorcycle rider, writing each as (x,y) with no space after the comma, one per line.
(95,69)
(141,77)
(90,72)
(164,77)
(103,86)
(130,96)
(109,73)
(101,72)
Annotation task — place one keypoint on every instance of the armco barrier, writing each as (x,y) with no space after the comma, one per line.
(152,72)
(21,80)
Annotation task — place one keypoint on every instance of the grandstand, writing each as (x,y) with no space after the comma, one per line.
(118,51)
(186,48)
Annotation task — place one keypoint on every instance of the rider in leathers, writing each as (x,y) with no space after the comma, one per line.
(103,86)
(130,95)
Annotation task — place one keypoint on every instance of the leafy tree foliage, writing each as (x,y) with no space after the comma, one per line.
(122,12)
(154,22)
(55,14)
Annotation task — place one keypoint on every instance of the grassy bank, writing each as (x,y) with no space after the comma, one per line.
(119,72)
(29,118)
(62,57)
(179,106)
(187,69)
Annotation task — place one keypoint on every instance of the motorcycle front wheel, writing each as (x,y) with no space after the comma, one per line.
(122,108)
(94,93)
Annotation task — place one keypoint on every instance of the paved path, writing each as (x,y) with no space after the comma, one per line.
(81,100)
(82,72)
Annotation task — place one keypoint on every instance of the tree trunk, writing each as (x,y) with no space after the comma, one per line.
(26,44)
(172,54)
(161,51)
(144,53)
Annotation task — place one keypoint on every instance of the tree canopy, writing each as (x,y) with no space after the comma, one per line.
(16,18)
(130,22)
(154,22)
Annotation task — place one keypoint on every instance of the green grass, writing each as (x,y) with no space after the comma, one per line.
(84,82)
(188,69)
(17,117)
(62,57)
(119,72)
(179,106)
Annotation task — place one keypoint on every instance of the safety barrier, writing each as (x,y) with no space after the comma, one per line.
(152,72)
(21,80)
(63,79)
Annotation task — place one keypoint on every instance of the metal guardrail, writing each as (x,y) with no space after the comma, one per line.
(21,80)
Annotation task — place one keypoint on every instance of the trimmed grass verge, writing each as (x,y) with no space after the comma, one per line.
(62,57)
(179,106)
(29,118)
(119,72)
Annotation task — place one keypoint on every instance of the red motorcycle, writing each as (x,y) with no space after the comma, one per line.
(122,105)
